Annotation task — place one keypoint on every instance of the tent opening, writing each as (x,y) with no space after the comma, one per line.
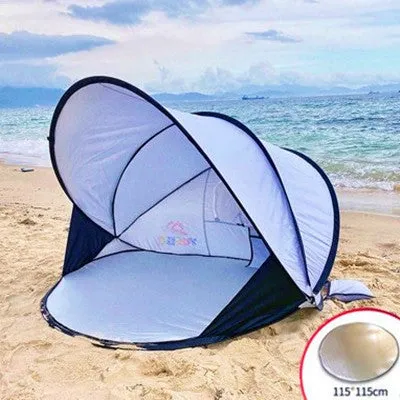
(182,250)
(184,207)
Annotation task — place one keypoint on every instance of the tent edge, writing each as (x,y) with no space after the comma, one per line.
(154,346)
(336,221)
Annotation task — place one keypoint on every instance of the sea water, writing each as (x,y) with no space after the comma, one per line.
(356,139)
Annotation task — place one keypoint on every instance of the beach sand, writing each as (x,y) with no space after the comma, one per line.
(37,362)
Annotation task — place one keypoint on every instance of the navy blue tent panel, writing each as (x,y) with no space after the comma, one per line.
(85,241)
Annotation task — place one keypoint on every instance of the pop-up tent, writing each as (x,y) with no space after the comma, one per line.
(186,229)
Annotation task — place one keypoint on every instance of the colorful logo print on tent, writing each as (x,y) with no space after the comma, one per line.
(179,237)
(177,227)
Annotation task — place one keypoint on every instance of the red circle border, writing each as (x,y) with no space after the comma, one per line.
(328,321)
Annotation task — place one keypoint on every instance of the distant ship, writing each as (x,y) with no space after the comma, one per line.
(372,92)
(253,97)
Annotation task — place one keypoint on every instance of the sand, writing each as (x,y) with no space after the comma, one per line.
(37,362)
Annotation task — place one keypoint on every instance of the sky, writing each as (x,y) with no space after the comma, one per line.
(209,46)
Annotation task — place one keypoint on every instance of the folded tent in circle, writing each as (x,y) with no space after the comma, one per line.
(186,228)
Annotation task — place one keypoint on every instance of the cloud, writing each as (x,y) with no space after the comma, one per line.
(165,73)
(22,45)
(166,82)
(123,12)
(251,79)
(118,13)
(31,75)
(215,79)
(132,12)
(382,18)
(260,74)
(238,2)
(343,37)
(273,36)
(260,77)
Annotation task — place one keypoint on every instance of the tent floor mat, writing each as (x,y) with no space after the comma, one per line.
(140,296)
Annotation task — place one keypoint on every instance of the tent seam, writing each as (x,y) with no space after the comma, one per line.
(185,254)
(122,93)
(117,252)
(126,167)
(204,212)
(348,295)
(251,248)
(162,199)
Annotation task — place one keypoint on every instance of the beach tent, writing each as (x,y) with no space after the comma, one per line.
(186,229)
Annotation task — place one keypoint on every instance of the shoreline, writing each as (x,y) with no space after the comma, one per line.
(370,201)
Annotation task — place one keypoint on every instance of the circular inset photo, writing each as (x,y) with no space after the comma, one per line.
(353,354)
(358,352)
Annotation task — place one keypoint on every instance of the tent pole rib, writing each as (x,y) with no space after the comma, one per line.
(126,166)
(163,198)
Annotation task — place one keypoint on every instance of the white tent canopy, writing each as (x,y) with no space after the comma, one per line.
(160,184)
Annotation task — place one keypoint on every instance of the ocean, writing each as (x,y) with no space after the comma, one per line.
(356,139)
